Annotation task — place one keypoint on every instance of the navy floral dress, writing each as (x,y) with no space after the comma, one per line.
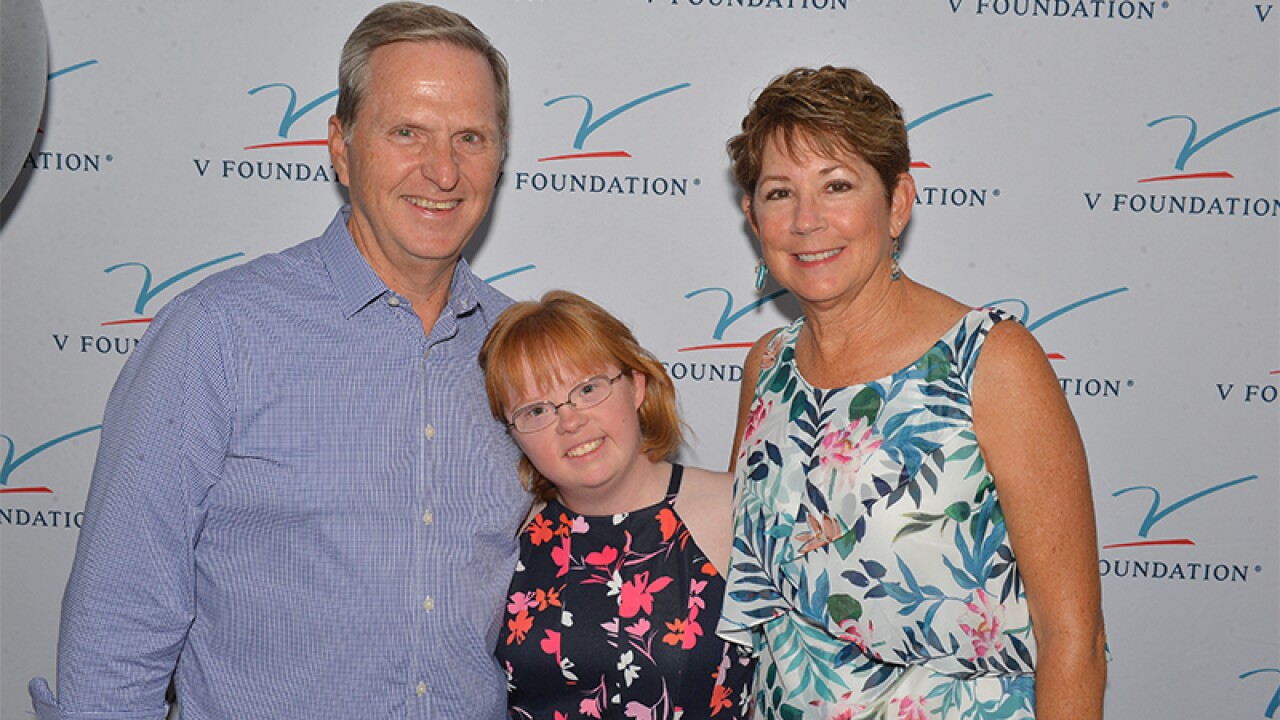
(614,617)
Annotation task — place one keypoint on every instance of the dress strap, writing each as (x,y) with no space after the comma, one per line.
(971,334)
(673,485)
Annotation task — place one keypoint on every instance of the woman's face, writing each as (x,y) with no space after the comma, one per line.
(587,454)
(824,223)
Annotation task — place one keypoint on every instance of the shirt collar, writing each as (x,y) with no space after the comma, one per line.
(358,285)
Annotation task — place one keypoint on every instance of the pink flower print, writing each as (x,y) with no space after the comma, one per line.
(637,594)
(639,628)
(758,413)
(589,706)
(520,602)
(696,603)
(579,525)
(639,711)
(853,631)
(594,704)
(560,556)
(841,709)
(843,449)
(603,558)
(985,624)
(911,708)
(551,644)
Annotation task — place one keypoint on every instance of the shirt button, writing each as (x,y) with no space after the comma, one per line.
(393,301)
(430,432)
(428,517)
(421,689)
(429,604)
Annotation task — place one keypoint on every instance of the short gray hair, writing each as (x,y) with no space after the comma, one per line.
(413,22)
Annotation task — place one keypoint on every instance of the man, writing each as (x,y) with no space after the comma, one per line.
(301,501)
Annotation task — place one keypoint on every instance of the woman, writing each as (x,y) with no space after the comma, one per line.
(613,606)
(914,524)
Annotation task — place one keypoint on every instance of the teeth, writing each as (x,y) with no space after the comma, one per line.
(430,205)
(585,448)
(814,257)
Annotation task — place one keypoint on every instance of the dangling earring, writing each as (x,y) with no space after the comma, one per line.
(762,272)
(895,255)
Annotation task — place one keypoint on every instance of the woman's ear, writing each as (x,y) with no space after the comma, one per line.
(749,210)
(639,383)
(904,197)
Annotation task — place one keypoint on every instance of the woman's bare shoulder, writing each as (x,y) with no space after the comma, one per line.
(708,484)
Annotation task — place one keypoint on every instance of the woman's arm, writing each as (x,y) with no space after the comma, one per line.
(1034,452)
(705,504)
(747,391)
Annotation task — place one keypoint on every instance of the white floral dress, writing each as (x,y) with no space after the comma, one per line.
(871,571)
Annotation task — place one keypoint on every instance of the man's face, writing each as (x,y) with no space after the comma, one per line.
(423,158)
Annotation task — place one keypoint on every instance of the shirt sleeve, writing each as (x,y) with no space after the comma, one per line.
(130,598)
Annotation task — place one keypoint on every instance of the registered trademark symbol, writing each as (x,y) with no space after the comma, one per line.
(995,193)
(1130,383)
(1257,568)
(110,158)
(697,182)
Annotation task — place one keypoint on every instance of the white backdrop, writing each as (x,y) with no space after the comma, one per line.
(1107,169)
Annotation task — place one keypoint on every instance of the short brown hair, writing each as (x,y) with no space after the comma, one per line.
(562,331)
(834,111)
(412,22)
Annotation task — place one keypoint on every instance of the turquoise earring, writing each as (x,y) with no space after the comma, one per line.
(762,272)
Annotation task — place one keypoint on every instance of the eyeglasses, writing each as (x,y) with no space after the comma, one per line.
(587,394)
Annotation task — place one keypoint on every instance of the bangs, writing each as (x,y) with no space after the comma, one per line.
(549,351)
(797,138)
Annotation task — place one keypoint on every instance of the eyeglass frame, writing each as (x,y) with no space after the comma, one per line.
(555,407)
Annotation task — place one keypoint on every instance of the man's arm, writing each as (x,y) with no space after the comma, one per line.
(130,599)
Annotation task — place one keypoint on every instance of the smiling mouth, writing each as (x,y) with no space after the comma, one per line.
(585,448)
(431,204)
(815,257)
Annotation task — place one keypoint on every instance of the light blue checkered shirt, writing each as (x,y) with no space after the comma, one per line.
(301,501)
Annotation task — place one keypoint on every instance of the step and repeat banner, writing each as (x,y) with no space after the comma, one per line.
(1107,170)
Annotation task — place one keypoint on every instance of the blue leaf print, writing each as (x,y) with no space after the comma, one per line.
(847,654)
(895,591)
(879,677)
(1021,648)
(775,455)
(855,578)
(944,392)
(962,578)
(818,500)
(948,411)
(814,603)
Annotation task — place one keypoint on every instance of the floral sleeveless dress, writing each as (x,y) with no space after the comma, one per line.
(871,572)
(614,617)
